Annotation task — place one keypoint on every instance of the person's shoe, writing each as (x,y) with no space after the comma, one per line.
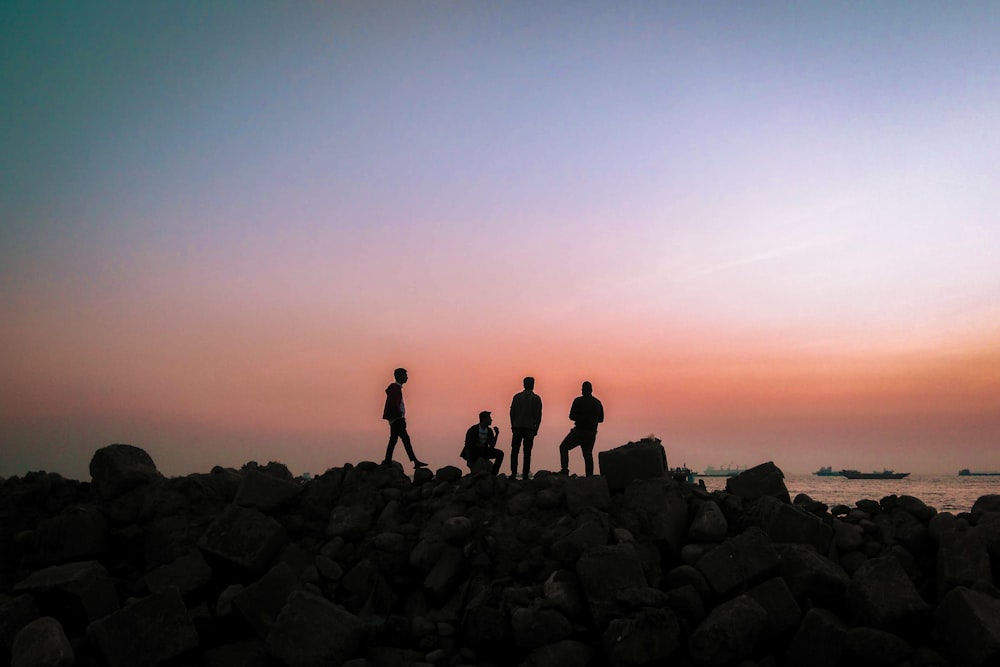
(564,472)
(417,463)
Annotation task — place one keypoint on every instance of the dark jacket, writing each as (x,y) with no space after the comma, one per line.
(472,440)
(393,402)
(586,412)
(526,410)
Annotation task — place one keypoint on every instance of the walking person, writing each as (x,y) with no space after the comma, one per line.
(525,418)
(395,414)
(586,413)
(481,442)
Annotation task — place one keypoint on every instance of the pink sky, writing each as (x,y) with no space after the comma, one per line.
(763,233)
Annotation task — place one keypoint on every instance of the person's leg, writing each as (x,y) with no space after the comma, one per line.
(568,443)
(529,441)
(393,437)
(405,437)
(517,435)
(497,456)
(587,447)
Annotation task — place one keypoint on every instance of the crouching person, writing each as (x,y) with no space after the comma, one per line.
(481,443)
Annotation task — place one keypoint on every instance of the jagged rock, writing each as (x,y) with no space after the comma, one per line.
(962,560)
(786,523)
(739,562)
(15,613)
(819,641)
(916,508)
(566,653)
(882,596)
(870,646)
(266,492)
(42,643)
(660,509)
(312,631)
(729,633)
(146,633)
(776,598)
(244,538)
(117,468)
(563,591)
(82,592)
(78,532)
(604,572)
(534,628)
(811,577)
(187,574)
(261,602)
(648,637)
(765,479)
(970,623)
(444,577)
(709,523)
(245,654)
(584,493)
(349,521)
(635,460)
(847,536)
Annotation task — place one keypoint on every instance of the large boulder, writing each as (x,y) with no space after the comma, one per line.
(970,623)
(116,469)
(765,479)
(311,630)
(146,633)
(634,460)
(42,643)
(244,539)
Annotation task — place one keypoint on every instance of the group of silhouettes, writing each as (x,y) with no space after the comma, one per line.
(525,418)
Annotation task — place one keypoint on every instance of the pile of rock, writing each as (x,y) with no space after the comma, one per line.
(366,566)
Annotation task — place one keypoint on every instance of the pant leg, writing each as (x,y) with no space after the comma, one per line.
(587,447)
(405,437)
(497,456)
(529,441)
(568,443)
(393,437)
(515,448)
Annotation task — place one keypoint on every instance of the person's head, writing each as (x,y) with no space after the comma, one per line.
(400,375)
(529,382)
(485,418)
(587,389)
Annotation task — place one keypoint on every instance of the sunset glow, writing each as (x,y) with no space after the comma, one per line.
(762,232)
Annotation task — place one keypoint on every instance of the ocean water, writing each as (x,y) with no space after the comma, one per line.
(945,492)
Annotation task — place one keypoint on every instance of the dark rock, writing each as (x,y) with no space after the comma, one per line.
(245,539)
(811,577)
(567,653)
(350,522)
(765,479)
(146,633)
(78,532)
(15,613)
(42,643)
(635,460)
(534,628)
(117,468)
(312,631)
(648,637)
(244,653)
(783,612)
(969,621)
(916,508)
(79,592)
(563,591)
(486,626)
(786,523)
(187,574)
(962,561)
(882,596)
(604,572)
(660,510)
(261,602)
(267,492)
(445,576)
(729,633)
(989,503)
(709,523)
(740,561)
(584,493)
(870,646)
(819,641)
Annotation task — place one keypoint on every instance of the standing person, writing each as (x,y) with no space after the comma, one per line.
(481,442)
(395,413)
(586,412)
(525,418)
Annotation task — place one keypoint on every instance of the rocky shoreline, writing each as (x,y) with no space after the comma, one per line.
(364,566)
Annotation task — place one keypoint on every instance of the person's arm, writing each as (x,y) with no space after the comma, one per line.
(472,437)
(600,412)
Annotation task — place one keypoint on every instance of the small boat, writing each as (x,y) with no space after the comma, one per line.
(827,471)
(965,472)
(681,474)
(885,474)
(728,471)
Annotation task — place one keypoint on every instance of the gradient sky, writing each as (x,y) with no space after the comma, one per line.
(764,231)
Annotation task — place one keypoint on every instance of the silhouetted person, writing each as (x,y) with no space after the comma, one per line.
(525,418)
(395,413)
(586,412)
(481,442)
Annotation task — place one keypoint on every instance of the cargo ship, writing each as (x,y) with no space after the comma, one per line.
(827,471)
(728,471)
(885,474)
(965,472)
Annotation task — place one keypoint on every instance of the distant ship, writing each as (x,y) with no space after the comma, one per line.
(885,474)
(681,474)
(827,471)
(728,471)
(964,472)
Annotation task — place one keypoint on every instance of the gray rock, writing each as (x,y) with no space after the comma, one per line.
(266,492)
(244,538)
(604,572)
(635,460)
(146,633)
(116,469)
(648,637)
(583,493)
(882,596)
(709,523)
(740,561)
(969,621)
(765,479)
(312,631)
(729,633)
(42,643)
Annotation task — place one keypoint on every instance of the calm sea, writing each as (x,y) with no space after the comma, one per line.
(946,493)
